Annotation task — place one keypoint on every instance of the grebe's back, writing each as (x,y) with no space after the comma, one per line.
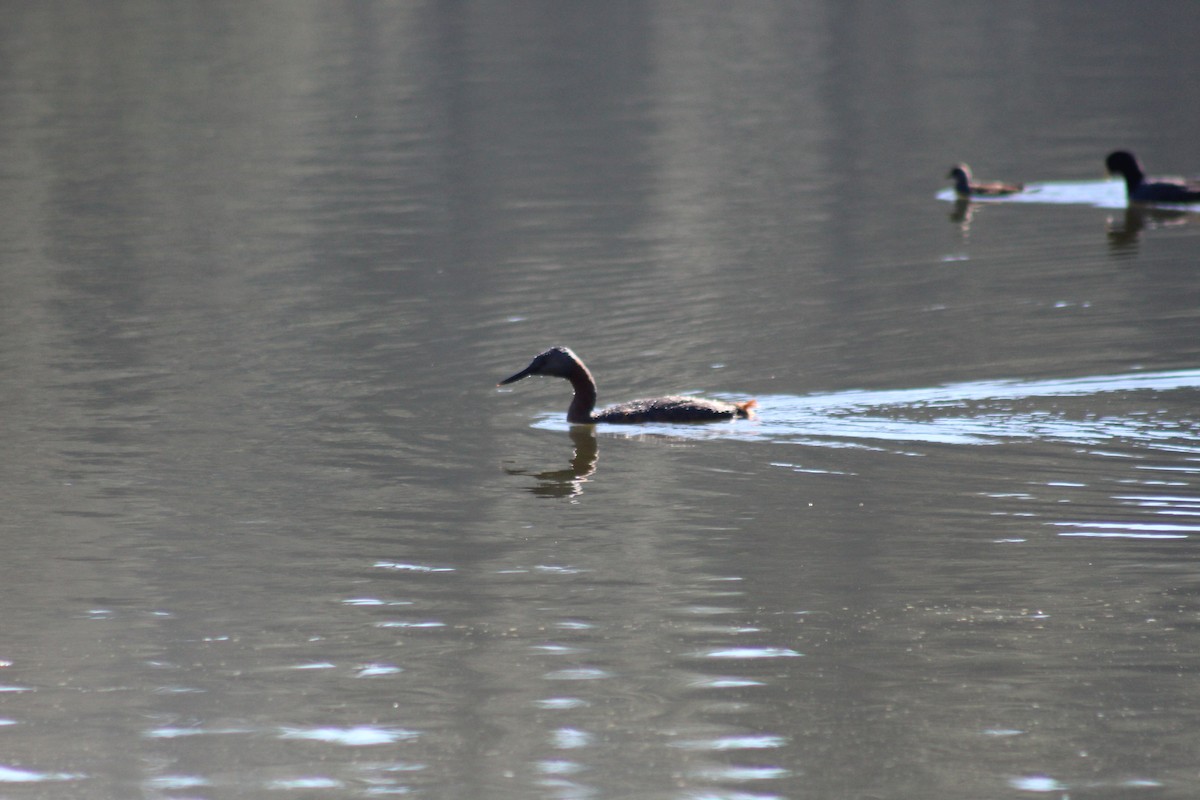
(675,408)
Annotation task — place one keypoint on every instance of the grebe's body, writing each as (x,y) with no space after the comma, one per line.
(1139,188)
(560,362)
(965,187)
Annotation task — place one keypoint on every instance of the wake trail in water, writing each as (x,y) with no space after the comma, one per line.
(1084,410)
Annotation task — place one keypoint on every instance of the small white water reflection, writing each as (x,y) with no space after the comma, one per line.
(364,735)
(721,743)
(561,703)
(577,674)
(376,670)
(1164,504)
(738,774)
(973,413)
(169,782)
(750,652)
(1037,783)
(403,567)
(177,732)
(571,738)
(291,784)
(1126,530)
(14,775)
(722,682)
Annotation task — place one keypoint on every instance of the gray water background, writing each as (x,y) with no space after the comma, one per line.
(270,530)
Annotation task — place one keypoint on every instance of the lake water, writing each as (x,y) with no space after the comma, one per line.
(270,530)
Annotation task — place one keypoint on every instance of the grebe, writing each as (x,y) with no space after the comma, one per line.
(560,362)
(964,187)
(1154,190)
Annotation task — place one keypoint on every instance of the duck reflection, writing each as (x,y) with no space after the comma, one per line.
(568,482)
(1123,232)
(962,213)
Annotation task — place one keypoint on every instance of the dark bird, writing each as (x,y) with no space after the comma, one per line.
(965,187)
(560,362)
(1139,188)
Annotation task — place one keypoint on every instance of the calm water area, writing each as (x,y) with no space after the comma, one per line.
(270,529)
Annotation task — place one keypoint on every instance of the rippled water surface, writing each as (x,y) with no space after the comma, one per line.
(271,530)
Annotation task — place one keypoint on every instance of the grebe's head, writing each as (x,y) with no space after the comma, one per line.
(960,172)
(557,362)
(1123,162)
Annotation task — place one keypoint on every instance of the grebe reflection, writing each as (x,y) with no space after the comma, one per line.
(568,482)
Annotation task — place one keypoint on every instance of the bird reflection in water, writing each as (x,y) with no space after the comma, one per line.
(962,213)
(568,482)
(1123,232)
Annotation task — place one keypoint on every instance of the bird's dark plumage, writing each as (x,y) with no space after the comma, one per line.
(1140,188)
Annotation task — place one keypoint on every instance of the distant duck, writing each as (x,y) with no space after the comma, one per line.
(560,362)
(1152,190)
(965,187)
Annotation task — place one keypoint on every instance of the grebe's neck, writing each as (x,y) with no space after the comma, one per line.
(580,410)
(962,183)
(1130,169)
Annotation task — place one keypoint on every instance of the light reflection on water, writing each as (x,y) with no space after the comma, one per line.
(14,775)
(351,737)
